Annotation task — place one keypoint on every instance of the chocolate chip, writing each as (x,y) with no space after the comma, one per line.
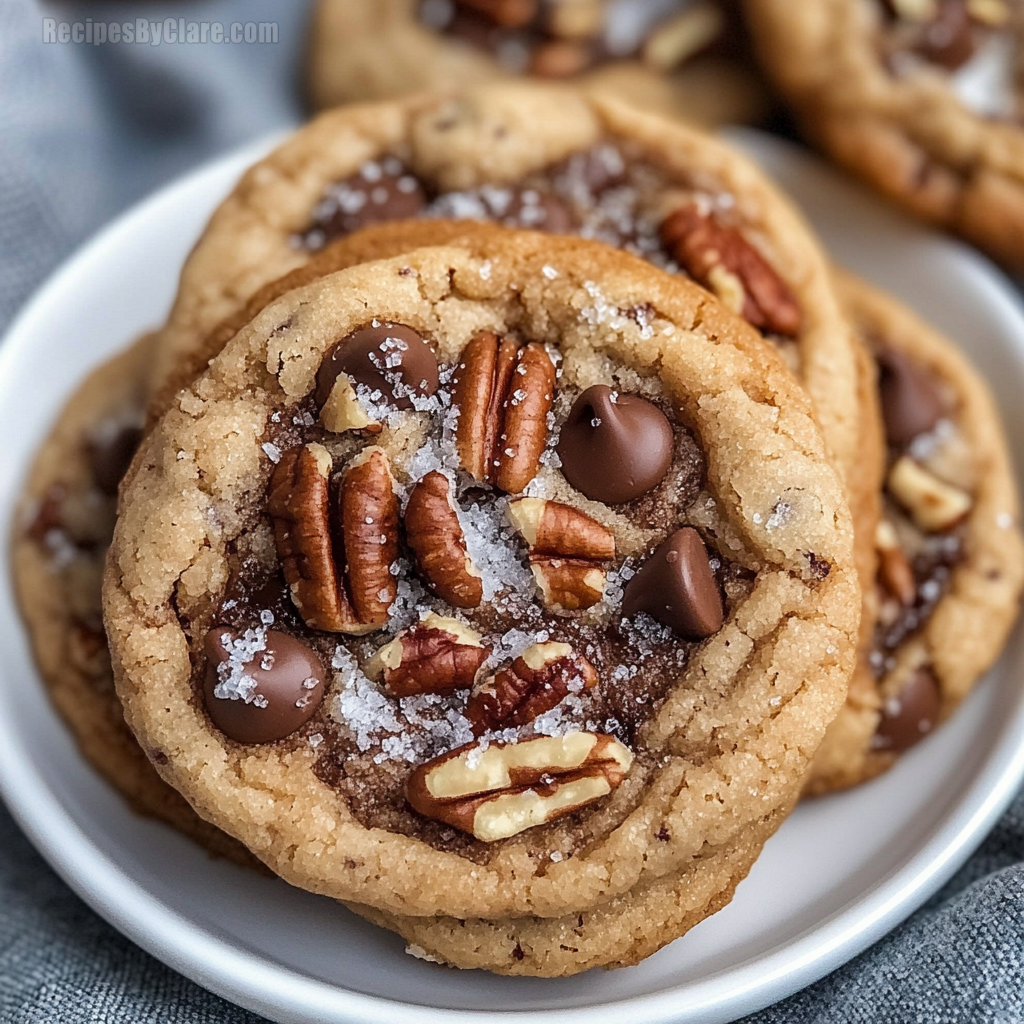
(381,191)
(615,447)
(910,716)
(511,206)
(676,587)
(49,515)
(258,696)
(507,13)
(948,39)
(110,457)
(538,211)
(390,358)
(911,405)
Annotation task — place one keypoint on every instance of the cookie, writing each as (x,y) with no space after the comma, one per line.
(67,518)
(682,59)
(358,855)
(920,97)
(540,156)
(949,546)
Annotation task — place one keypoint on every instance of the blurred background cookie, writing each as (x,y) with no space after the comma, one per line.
(686,58)
(950,556)
(920,97)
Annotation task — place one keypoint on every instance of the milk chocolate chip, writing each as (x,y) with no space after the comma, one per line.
(911,405)
(379,191)
(911,715)
(615,447)
(677,587)
(390,358)
(258,696)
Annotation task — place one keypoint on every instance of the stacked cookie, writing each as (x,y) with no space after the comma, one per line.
(488,561)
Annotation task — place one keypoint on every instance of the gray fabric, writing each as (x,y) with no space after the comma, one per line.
(83,132)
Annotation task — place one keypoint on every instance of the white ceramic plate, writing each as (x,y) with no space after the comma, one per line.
(840,872)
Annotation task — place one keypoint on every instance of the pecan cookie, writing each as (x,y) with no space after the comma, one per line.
(921,97)
(430,539)
(66,523)
(950,556)
(541,157)
(687,58)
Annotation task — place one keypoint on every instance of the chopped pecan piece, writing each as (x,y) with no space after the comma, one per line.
(932,503)
(893,567)
(566,546)
(437,655)
(554,528)
(507,788)
(568,584)
(534,683)
(438,544)
(504,393)
(720,258)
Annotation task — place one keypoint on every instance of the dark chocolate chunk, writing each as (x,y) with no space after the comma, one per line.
(676,587)
(110,457)
(911,715)
(911,404)
(615,447)
(258,696)
(390,358)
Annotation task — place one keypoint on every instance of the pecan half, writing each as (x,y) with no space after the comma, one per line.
(298,505)
(507,788)
(339,572)
(720,258)
(504,394)
(438,544)
(437,655)
(566,546)
(534,683)
(368,517)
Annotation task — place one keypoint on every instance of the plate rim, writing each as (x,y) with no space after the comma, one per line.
(284,994)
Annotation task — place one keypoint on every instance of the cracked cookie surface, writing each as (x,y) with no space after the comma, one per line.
(217,787)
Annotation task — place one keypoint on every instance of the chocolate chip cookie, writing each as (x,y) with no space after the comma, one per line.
(677,57)
(66,522)
(950,559)
(279,456)
(920,97)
